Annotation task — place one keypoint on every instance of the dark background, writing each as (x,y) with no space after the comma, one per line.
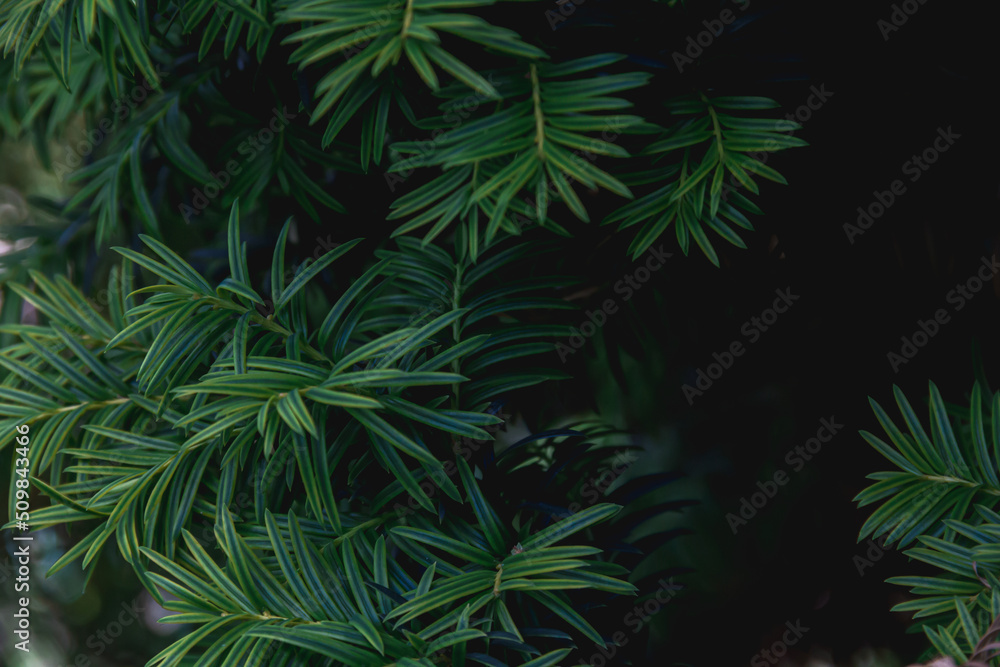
(795,559)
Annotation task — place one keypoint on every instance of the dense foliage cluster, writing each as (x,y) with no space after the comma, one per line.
(300,444)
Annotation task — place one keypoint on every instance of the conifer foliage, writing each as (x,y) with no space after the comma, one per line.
(296,453)
(940,501)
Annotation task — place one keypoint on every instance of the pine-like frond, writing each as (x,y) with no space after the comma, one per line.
(943,498)
(941,473)
(373,35)
(150,423)
(692,194)
(540,140)
(52,27)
